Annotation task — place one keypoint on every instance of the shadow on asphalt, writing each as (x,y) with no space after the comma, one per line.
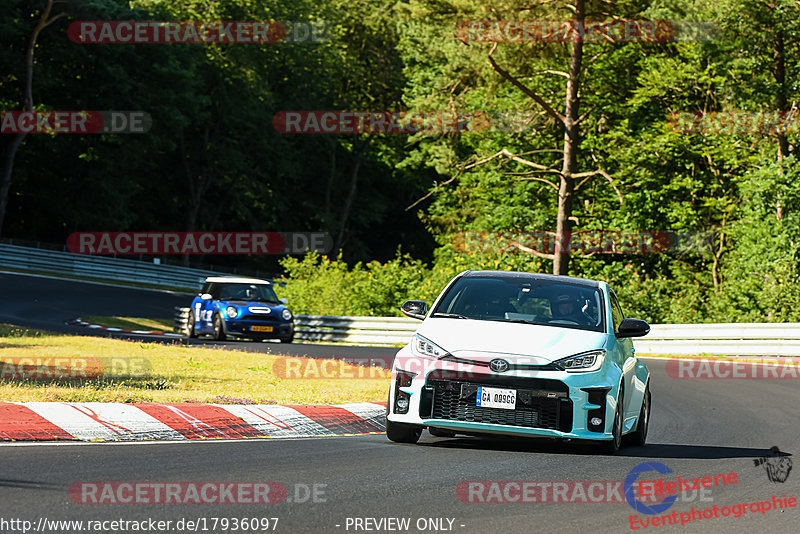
(653,451)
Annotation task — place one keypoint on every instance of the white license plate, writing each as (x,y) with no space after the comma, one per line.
(496,398)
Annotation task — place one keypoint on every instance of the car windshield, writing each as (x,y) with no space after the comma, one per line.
(524,300)
(252,292)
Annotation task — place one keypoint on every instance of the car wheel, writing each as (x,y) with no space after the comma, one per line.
(440,433)
(188,331)
(615,444)
(287,339)
(639,436)
(219,329)
(403,433)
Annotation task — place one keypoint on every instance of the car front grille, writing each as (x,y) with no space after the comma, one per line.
(535,408)
(260,318)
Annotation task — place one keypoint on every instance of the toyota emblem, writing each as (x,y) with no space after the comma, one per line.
(498,365)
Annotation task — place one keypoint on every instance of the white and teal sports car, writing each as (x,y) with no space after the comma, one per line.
(521,354)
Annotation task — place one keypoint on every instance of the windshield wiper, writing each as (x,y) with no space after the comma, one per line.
(520,321)
(449,315)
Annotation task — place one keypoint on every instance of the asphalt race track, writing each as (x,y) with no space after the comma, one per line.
(49,304)
(698,428)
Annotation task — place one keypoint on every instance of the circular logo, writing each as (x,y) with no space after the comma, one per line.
(630,483)
(498,365)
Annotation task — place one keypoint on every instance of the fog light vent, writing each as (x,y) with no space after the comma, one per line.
(402,402)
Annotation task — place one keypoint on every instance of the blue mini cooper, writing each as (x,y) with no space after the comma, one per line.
(240,307)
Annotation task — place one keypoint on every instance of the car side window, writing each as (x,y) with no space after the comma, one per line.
(206,287)
(213,290)
(616,312)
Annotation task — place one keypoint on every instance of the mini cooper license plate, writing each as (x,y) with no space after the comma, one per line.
(257,328)
(496,398)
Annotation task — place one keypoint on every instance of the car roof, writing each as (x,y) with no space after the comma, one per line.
(536,276)
(236,280)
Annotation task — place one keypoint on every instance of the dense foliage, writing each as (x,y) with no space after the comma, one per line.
(213,161)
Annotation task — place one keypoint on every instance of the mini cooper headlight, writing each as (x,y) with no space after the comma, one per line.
(425,347)
(583,362)
(232,311)
(286,314)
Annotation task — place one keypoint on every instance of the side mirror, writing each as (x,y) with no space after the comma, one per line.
(633,328)
(416,309)
(206,296)
(284,300)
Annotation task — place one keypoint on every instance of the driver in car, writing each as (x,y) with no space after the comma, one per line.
(564,309)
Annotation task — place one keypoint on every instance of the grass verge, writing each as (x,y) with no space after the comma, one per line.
(112,370)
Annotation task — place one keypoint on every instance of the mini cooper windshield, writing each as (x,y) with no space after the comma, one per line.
(248,292)
(524,300)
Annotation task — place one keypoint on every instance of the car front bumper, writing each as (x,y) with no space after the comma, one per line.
(549,403)
(245,329)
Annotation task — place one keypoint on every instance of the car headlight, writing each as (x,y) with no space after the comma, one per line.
(232,311)
(583,362)
(286,314)
(424,347)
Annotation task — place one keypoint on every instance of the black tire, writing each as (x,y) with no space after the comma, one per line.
(219,328)
(639,436)
(403,433)
(188,330)
(287,339)
(615,444)
(441,433)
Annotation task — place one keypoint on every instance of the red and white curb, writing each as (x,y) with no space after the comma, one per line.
(110,421)
(81,322)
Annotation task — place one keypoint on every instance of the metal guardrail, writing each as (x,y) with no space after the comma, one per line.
(739,339)
(371,331)
(99,267)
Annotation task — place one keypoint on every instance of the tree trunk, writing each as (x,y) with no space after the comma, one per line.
(351,195)
(779,72)
(12,147)
(8,167)
(566,189)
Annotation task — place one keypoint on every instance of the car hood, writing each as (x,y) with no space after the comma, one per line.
(253,304)
(488,339)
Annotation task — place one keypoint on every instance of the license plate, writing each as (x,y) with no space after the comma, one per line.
(496,398)
(261,328)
